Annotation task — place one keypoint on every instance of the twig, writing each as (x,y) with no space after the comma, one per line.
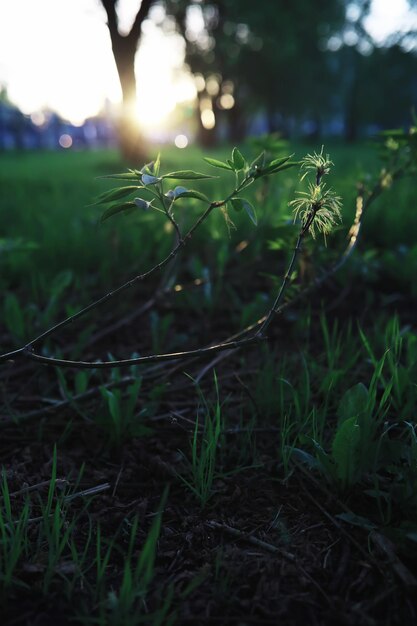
(64,403)
(212,363)
(92,491)
(253,540)
(269,547)
(367,557)
(27,348)
(387,547)
(261,326)
(152,358)
(59,482)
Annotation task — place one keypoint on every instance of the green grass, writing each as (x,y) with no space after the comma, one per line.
(334,393)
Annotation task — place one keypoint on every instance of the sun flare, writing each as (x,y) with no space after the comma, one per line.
(78,81)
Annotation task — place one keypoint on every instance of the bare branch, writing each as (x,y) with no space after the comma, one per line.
(141,16)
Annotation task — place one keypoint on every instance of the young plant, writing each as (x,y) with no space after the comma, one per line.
(201,469)
(152,195)
(127,604)
(122,420)
(36,535)
(318,210)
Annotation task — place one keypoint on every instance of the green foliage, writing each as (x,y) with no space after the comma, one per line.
(153,185)
(345,451)
(201,468)
(127,604)
(122,421)
(43,543)
(340,401)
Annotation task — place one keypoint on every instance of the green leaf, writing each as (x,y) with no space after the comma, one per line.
(323,459)
(116,194)
(256,167)
(354,402)
(345,451)
(250,211)
(301,456)
(279,168)
(118,208)
(394,132)
(149,169)
(113,404)
(238,159)
(219,164)
(148,179)
(276,163)
(191,193)
(186,175)
(240,203)
(60,283)
(237,203)
(143,204)
(356,520)
(126,176)
(81,382)
(157,165)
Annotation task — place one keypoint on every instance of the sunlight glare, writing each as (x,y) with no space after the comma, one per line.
(65,141)
(227,101)
(38,118)
(208,119)
(181,141)
(387,16)
(161,85)
(80,80)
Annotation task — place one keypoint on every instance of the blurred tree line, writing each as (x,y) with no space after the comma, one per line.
(292,62)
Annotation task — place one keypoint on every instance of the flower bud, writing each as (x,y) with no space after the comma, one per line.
(142,204)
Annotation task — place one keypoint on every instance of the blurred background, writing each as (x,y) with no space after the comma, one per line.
(78,74)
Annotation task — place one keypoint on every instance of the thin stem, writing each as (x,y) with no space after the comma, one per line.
(275,307)
(167,211)
(27,348)
(263,323)
(152,358)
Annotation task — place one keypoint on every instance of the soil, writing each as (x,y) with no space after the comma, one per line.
(265,550)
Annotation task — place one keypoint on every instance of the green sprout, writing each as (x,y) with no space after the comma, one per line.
(323,203)
(317,162)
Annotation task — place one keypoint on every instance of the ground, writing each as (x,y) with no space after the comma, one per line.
(221,492)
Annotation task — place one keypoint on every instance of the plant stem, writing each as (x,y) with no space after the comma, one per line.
(275,307)
(152,358)
(27,348)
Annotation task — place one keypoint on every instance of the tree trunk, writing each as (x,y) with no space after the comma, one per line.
(132,144)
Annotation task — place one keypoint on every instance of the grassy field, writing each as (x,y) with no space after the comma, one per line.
(273,484)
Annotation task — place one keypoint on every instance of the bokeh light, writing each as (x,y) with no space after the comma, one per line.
(208,119)
(227,101)
(65,141)
(181,141)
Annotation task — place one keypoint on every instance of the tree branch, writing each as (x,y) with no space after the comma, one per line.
(112,20)
(141,16)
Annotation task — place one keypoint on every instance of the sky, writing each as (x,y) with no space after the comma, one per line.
(56,54)
(59,56)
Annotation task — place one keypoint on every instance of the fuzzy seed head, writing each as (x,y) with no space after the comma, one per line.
(319,163)
(325,205)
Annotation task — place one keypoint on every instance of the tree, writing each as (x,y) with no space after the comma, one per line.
(124,51)
(366,92)
(271,54)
